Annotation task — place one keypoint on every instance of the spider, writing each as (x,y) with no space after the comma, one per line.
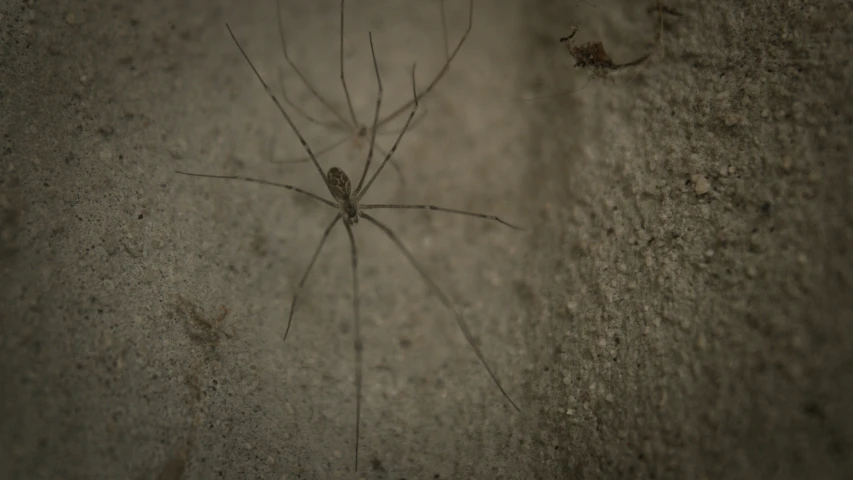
(350,125)
(349,210)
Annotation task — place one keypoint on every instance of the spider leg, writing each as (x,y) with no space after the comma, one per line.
(460,320)
(343,79)
(415,122)
(357,338)
(441,72)
(360,192)
(375,118)
(323,150)
(441,209)
(280,107)
(299,72)
(264,182)
(307,271)
(303,113)
(396,169)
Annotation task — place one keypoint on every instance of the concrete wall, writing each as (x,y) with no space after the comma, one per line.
(677,307)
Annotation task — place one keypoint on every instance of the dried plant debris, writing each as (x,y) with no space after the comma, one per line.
(661,9)
(348,210)
(592,57)
(206,334)
(176,465)
(203,331)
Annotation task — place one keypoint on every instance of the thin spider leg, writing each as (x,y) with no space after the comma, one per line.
(308,271)
(441,209)
(441,72)
(323,150)
(460,320)
(280,108)
(396,167)
(343,79)
(415,122)
(396,142)
(375,119)
(303,113)
(264,182)
(299,73)
(357,341)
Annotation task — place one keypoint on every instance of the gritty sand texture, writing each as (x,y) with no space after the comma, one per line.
(679,306)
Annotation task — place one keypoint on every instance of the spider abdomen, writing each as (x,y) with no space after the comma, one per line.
(339,184)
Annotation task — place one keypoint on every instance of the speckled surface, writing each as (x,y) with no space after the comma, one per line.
(676,308)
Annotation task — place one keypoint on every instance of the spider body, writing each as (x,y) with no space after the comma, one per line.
(341,190)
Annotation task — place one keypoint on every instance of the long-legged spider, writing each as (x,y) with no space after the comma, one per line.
(350,126)
(350,210)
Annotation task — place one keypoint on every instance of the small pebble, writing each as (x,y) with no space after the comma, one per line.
(814,177)
(752,90)
(571,306)
(701,184)
(733,119)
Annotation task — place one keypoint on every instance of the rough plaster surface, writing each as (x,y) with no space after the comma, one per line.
(676,309)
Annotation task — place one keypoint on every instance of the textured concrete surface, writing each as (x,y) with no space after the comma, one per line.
(678,308)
